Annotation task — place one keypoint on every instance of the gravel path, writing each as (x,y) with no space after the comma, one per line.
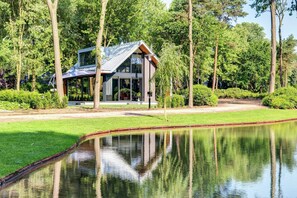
(221,108)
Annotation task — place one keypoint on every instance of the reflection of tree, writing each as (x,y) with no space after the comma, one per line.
(191,147)
(168,181)
(57,176)
(98,167)
(215,150)
(280,171)
(273,163)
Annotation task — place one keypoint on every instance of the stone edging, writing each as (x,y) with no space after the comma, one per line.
(11,178)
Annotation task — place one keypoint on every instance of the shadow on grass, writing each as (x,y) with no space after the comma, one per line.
(18,150)
(144,115)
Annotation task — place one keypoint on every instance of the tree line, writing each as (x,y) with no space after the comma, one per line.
(222,55)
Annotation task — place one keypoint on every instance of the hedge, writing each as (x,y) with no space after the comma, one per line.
(5,105)
(283,98)
(33,99)
(238,94)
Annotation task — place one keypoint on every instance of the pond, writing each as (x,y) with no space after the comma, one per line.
(255,161)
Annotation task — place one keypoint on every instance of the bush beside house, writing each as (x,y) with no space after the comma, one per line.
(33,100)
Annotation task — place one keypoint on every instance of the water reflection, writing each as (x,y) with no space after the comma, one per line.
(222,162)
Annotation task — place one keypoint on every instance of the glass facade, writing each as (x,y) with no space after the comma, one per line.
(87,58)
(125,89)
(125,66)
(136,62)
(82,89)
(132,65)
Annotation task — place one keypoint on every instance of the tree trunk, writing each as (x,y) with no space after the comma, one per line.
(165,112)
(33,80)
(286,76)
(215,65)
(280,54)
(20,47)
(99,56)
(273,163)
(191,55)
(273,47)
(53,6)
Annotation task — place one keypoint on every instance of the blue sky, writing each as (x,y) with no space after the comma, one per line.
(289,24)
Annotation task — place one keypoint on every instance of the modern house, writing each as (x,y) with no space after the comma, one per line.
(126,73)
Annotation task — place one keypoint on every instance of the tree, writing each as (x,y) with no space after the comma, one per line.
(191,55)
(53,6)
(290,61)
(281,8)
(225,11)
(253,59)
(170,67)
(261,6)
(99,55)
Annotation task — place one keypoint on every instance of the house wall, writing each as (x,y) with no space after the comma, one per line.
(149,71)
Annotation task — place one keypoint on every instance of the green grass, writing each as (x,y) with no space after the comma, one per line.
(22,143)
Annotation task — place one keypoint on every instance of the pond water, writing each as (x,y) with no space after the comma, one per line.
(258,161)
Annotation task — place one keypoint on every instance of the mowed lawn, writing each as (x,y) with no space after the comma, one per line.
(23,143)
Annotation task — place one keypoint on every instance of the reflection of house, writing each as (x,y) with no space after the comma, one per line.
(131,157)
(126,73)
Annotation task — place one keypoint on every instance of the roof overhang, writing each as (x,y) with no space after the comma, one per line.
(143,47)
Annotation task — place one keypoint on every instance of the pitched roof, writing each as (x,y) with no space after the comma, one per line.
(112,56)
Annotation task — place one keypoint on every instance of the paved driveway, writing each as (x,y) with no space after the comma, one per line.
(6,117)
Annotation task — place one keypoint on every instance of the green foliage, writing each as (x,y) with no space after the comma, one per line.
(5,105)
(283,98)
(172,102)
(203,95)
(237,93)
(34,99)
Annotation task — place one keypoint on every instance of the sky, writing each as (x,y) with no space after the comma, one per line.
(289,24)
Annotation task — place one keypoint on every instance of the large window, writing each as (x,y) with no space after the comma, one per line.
(137,89)
(136,63)
(125,89)
(87,58)
(125,67)
(132,65)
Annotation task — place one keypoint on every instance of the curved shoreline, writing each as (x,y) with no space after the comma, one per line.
(13,177)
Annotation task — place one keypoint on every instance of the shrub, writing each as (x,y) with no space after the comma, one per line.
(283,98)
(172,102)
(34,99)
(238,93)
(203,95)
(5,105)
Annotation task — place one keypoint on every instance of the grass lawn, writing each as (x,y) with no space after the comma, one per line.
(22,143)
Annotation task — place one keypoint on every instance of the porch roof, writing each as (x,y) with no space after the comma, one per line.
(113,57)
